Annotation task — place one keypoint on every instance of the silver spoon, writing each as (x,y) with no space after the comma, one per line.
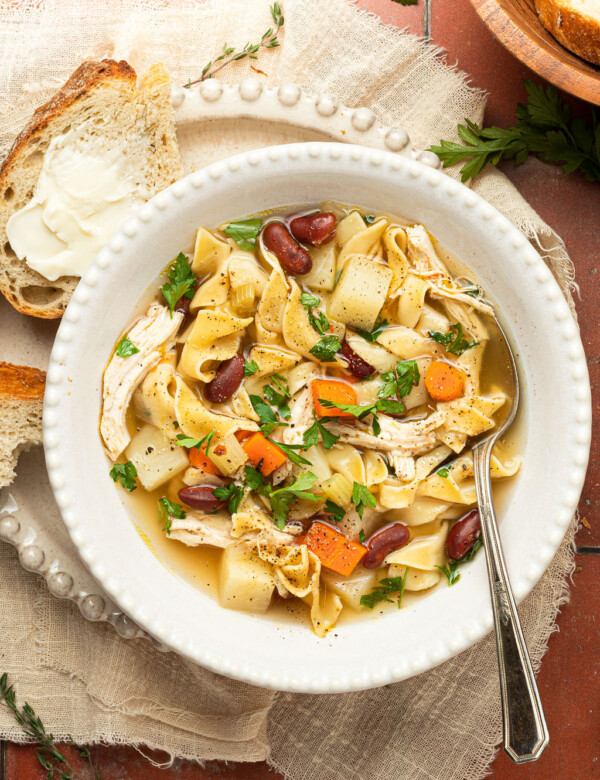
(524,726)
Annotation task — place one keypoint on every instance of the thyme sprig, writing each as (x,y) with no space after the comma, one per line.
(229,54)
(49,756)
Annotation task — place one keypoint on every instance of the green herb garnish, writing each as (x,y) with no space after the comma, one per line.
(250,367)
(289,450)
(385,405)
(233,494)
(362,497)
(125,473)
(400,380)
(278,397)
(369,218)
(335,512)
(326,349)
(268,419)
(126,347)
(444,473)
(188,442)
(318,321)
(308,300)
(281,499)
(167,510)
(384,589)
(545,127)
(181,282)
(311,435)
(371,335)
(454,341)
(450,572)
(244,233)
(361,536)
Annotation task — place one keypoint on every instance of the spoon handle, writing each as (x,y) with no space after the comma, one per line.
(525,730)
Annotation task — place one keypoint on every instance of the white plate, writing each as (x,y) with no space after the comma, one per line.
(556,415)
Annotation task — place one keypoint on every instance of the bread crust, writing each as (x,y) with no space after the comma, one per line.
(21,383)
(576,32)
(85,78)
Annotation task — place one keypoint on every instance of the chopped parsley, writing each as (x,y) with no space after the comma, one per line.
(385,405)
(318,321)
(233,494)
(454,341)
(254,478)
(384,589)
(167,510)
(326,348)
(362,497)
(400,380)
(188,442)
(474,293)
(278,397)
(444,473)
(311,435)
(181,282)
(368,218)
(361,536)
(244,233)
(309,301)
(451,570)
(126,347)
(125,473)
(372,335)
(288,449)
(335,512)
(268,419)
(250,367)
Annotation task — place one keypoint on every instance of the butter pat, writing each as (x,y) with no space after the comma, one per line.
(82,196)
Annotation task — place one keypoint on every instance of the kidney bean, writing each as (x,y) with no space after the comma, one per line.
(383,542)
(314,229)
(201,497)
(226,381)
(357,366)
(294,260)
(463,535)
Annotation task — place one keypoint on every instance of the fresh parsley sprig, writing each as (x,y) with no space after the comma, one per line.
(268,419)
(454,341)
(384,589)
(318,321)
(451,570)
(335,512)
(269,40)
(188,441)
(282,498)
(126,347)
(290,451)
(277,396)
(167,510)
(385,405)
(181,282)
(545,127)
(125,473)
(250,367)
(233,494)
(362,498)
(400,380)
(372,335)
(311,435)
(326,348)
(244,233)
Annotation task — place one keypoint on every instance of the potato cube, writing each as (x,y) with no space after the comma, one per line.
(246,582)
(360,292)
(156,459)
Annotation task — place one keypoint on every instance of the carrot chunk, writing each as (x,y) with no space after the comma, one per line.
(338,392)
(258,449)
(443,381)
(333,549)
(199,460)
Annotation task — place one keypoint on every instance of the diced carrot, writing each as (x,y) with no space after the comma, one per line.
(330,390)
(333,549)
(443,381)
(242,435)
(199,460)
(258,449)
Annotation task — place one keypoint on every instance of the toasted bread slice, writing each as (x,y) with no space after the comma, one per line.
(575,24)
(21,397)
(137,119)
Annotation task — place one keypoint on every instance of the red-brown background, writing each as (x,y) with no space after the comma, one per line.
(568,681)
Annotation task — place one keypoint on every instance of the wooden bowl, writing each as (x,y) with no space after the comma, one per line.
(516,25)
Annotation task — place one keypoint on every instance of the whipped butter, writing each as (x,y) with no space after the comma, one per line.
(83,194)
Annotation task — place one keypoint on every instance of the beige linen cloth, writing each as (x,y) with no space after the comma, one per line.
(81,677)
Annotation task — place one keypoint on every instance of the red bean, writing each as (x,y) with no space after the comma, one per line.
(463,535)
(356,365)
(201,497)
(314,229)
(383,542)
(226,381)
(294,260)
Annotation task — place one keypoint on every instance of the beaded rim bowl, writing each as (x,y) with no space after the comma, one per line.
(542,501)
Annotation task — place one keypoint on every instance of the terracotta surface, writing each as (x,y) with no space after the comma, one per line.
(569,678)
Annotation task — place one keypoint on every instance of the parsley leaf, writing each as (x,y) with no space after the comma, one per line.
(126,347)
(450,572)
(125,473)
(400,380)
(276,398)
(362,497)
(454,341)
(311,435)
(267,416)
(233,494)
(250,367)
(167,510)
(406,2)
(361,536)
(444,473)
(188,442)
(335,512)
(545,127)
(472,552)
(181,282)
(254,479)
(319,321)
(386,586)
(385,405)
(371,335)
(326,349)
(244,233)
(288,449)
(369,218)
(309,301)
(282,498)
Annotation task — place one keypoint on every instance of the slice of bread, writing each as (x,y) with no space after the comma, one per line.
(21,397)
(137,119)
(575,24)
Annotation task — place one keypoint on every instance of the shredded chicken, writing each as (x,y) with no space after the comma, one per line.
(301,408)
(197,528)
(150,333)
(409,438)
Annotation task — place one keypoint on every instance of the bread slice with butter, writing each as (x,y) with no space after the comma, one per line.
(575,24)
(123,136)
(21,398)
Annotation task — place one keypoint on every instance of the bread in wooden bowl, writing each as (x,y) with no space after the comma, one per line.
(119,117)
(21,399)
(575,24)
